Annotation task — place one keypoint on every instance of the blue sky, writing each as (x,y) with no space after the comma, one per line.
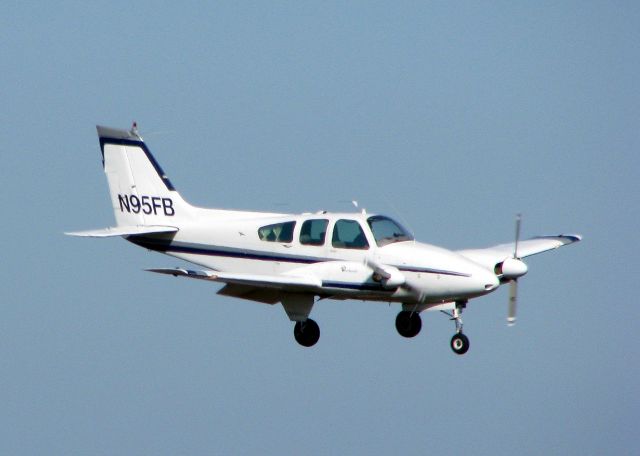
(450,117)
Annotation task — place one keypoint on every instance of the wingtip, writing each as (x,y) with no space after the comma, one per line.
(564,238)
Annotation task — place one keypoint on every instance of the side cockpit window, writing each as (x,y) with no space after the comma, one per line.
(278,232)
(313,232)
(348,234)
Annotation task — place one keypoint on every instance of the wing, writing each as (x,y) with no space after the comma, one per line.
(256,287)
(491,256)
(296,293)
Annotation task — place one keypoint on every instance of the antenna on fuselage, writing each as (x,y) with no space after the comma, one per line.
(355,204)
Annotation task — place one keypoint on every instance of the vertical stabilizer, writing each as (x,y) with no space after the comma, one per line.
(141,193)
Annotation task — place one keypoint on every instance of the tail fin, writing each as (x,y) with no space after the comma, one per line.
(141,193)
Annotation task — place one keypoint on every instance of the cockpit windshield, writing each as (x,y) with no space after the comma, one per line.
(387,231)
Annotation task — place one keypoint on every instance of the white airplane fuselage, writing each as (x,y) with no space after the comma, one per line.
(228,241)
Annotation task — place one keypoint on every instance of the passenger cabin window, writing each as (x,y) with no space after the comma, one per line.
(313,232)
(348,234)
(278,232)
(387,231)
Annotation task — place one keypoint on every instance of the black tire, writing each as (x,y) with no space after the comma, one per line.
(408,324)
(307,333)
(460,344)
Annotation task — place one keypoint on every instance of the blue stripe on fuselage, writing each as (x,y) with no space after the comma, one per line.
(165,245)
(169,246)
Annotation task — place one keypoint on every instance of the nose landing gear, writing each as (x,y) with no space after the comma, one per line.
(459,342)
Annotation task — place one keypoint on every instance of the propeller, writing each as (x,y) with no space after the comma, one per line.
(513,301)
(513,285)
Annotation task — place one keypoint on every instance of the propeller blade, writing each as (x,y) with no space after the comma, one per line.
(513,301)
(518,223)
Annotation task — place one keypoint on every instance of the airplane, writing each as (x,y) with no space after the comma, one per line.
(300,259)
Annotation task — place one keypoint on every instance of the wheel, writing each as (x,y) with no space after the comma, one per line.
(408,323)
(460,343)
(306,332)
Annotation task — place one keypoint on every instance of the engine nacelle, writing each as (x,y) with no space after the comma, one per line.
(389,276)
(396,278)
(511,268)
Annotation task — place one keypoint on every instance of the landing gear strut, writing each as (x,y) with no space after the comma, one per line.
(408,323)
(306,332)
(459,342)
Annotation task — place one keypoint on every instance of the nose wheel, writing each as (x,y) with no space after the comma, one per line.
(460,344)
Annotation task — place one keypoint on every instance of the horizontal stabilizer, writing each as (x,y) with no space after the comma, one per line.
(124,231)
(204,275)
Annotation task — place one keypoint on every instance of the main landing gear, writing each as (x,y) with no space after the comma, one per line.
(307,332)
(408,323)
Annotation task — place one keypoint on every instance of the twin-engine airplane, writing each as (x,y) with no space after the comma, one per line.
(294,259)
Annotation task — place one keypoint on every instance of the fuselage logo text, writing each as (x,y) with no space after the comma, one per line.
(155,205)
